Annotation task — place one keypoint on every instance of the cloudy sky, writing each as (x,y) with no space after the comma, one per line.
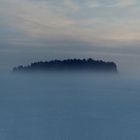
(32,30)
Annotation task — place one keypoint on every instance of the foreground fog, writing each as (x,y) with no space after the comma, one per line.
(68,106)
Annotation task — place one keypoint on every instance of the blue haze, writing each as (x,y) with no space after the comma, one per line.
(68,106)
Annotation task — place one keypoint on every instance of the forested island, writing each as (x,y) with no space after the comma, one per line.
(69,65)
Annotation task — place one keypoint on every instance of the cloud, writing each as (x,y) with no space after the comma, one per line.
(93,3)
(40,19)
(33,18)
(125,3)
(74,7)
(112,3)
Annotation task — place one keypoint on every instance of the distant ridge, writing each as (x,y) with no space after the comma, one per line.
(69,65)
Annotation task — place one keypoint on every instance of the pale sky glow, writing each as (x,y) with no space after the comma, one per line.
(62,26)
(115,20)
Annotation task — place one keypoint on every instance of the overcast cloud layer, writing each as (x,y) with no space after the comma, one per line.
(45,29)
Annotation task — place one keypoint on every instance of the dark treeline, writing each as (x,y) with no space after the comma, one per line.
(69,65)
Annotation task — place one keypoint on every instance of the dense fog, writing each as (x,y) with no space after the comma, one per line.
(69,106)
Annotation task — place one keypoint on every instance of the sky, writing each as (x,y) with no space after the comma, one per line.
(34,30)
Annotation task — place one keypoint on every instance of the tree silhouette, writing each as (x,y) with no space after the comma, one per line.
(70,65)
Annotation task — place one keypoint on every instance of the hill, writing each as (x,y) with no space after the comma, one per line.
(69,65)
